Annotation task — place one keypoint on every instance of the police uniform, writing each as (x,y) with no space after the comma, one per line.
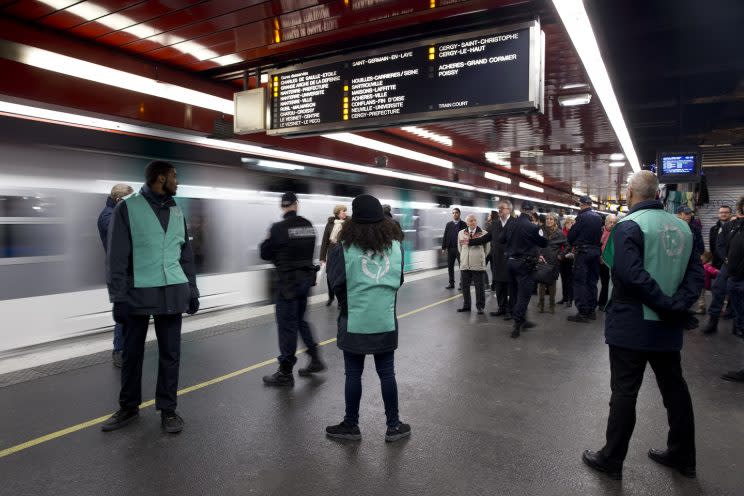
(586,238)
(290,246)
(522,239)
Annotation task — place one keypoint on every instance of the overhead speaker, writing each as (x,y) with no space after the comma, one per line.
(381,161)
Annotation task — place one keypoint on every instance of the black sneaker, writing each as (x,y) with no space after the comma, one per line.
(344,430)
(171,422)
(279,379)
(117,359)
(451,286)
(316,365)
(583,319)
(119,420)
(396,433)
(463,309)
(527,325)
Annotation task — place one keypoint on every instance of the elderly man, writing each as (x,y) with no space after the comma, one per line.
(656,277)
(472,265)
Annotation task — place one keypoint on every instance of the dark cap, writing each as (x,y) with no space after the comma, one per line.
(527,206)
(288,199)
(585,200)
(683,209)
(366,209)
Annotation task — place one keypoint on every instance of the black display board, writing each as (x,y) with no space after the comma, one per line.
(467,75)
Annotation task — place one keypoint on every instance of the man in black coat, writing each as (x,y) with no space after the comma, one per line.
(499,269)
(645,324)
(449,244)
(724,215)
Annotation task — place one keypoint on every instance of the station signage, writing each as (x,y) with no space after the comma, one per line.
(467,75)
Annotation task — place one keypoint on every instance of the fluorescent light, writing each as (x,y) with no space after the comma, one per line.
(271,164)
(617,164)
(531,187)
(617,156)
(424,133)
(575,86)
(496,177)
(499,158)
(577,191)
(355,139)
(532,174)
(573,100)
(576,21)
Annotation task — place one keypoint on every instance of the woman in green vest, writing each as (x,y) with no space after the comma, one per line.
(365,271)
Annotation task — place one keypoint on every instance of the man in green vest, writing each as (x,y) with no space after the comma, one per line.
(150,272)
(656,277)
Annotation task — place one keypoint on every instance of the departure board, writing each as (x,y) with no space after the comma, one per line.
(472,74)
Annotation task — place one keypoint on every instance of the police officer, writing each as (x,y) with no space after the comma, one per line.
(450,246)
(586,238)
(522,239)
(656,278)
(150,272)
(290,246)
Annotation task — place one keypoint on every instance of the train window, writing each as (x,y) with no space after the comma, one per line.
(31,240)
(29,206)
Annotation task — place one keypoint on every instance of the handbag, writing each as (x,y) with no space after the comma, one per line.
(545,273)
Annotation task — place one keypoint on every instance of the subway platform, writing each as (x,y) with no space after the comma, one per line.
(490,415)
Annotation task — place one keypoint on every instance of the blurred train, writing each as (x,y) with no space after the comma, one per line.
(52,189)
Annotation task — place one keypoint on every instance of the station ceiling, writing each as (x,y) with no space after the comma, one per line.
(673,92)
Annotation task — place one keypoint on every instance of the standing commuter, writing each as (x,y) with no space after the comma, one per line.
(499,269)
(450,246)
(150,272)
(366,271)
(472,265)
(685,213)
(585,237)
(550,256)
(567,260)
(330,239)
(290,246)
(522,239)
(118,192)
(656,277)
(604,271)
(724,215)
(732,251)
(719,287)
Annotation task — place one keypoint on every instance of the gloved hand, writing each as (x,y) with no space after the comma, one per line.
(121,312)
(678,318)
(193,306)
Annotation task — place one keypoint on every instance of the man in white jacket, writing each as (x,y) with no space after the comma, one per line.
(472,264)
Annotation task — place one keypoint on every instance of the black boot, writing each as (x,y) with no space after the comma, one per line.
(664,458)
(515,329)
(315,365)
(280,378)
(712,326)
(569,303)
(598,462)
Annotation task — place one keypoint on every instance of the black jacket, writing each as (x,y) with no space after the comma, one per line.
(555,245)
(712,237)
(173,299)
(587,231)
(633,287)
(362,344)
(522,238)
(325,241)
(449,240)
(290,247)
(725,248)
(498,253)
(104,219)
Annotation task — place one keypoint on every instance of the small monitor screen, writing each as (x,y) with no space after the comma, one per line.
(678,164)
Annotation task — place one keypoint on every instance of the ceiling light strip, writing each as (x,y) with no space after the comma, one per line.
(18,110)
(380,146)
(576,21)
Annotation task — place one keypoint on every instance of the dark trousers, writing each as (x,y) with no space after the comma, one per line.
(627,368)
(290,320)
(586,276)
(604,278)
(385,365)
(331,295)
(567,279)
(736,301)
(168,332)
(478,277)
(718,290)
(118,337)
(521,286)
(502,295)
(452,255)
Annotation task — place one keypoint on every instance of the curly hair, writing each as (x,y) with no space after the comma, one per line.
(376,237)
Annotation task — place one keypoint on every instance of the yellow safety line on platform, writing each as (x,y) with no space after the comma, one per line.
(190,389)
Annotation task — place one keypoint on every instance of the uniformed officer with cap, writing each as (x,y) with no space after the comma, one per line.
(290,246)
(586,238)
(522,239)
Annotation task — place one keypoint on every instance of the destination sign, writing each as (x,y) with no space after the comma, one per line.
(472,74)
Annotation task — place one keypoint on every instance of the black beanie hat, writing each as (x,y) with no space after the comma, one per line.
(366,209)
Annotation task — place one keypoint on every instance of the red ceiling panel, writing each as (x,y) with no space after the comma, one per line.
(33,9)
(83,12)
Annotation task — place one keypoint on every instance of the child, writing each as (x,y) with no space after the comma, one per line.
(710,273)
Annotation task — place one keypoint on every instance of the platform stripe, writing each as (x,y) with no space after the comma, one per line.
(181,392)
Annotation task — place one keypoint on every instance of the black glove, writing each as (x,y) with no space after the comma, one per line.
(678,318)
(121,312)
(193,306)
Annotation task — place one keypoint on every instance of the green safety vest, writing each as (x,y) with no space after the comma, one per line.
(667,245)
(156,254)
(372,282)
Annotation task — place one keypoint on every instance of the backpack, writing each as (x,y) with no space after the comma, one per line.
(735,251)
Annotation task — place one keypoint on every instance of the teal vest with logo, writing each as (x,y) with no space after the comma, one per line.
(667,245)
(156,253)
(372,281)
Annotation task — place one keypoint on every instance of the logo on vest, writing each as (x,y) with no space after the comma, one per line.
(672,240)
(375,269)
